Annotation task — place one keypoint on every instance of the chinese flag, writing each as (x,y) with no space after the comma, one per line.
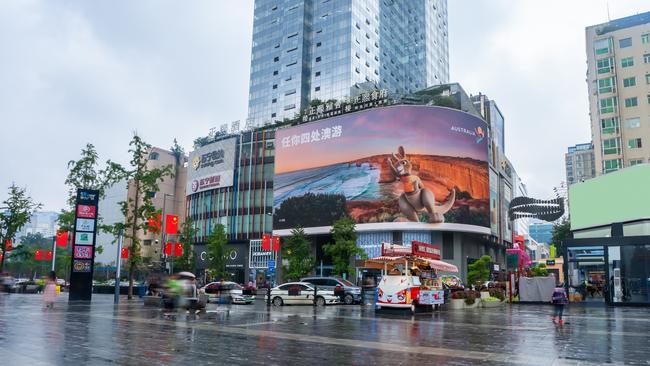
(178,250)
(8,245)
(38,255)
(61,238)
(276,243)
(171,224)
(154,223)
(266,242)
(48,255)
(168,249)
(125,253)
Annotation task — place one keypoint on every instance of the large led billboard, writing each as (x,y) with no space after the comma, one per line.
(390,164)
(211,166)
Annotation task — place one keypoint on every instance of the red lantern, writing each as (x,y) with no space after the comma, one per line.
(178,250)
(266,242)
(171,224)
(168,249)
(276,243)
(124,254)
(38,255)
(48,255)
(62,238)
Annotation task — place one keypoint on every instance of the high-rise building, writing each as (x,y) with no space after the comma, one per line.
(40,222)
(305,50)
(618,77)
(541,232)
(580,164)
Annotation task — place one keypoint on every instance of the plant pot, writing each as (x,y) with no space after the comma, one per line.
(476,304)
(456,304)
(485,294)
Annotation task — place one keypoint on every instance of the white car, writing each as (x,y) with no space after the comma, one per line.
(301,293)
(228,291)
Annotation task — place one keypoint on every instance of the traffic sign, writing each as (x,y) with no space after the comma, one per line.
(271,265)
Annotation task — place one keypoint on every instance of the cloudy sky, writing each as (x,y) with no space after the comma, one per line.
(75,71)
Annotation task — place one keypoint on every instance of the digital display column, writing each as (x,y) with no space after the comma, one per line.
(83,245)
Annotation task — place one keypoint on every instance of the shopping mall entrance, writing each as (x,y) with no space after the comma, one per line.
(587,274)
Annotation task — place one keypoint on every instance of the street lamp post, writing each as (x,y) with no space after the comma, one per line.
(163,234)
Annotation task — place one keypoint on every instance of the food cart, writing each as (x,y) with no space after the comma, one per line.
(410,278)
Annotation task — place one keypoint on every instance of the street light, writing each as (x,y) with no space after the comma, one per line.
(163,234)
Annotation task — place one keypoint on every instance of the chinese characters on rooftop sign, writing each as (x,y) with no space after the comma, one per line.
(362,101)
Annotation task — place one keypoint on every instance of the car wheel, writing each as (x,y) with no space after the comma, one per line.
(348,299)
(277,301)
(320,301)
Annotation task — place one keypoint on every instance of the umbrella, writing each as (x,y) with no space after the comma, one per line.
(186,274)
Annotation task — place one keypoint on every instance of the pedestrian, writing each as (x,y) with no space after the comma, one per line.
(559,300)
(49,293)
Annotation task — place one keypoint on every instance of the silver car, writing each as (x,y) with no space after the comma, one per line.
(352,292)
(294,293)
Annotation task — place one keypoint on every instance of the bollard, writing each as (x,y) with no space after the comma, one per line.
(268,296)
(315,293)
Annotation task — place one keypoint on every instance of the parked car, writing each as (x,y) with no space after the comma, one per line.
(229,291)
(352,292)
(294,293)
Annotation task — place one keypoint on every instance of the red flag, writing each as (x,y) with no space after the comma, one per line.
(276,243)
(48,255)
(61,238)
(178,250)
(8,245)
(154,223)
(38,255)
(125,253)
(0,256)
(266,242)
(168,248)
(171,224)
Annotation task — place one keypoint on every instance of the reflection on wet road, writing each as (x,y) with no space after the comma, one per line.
(99,333)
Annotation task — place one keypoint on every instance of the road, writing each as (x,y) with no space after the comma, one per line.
(100,333)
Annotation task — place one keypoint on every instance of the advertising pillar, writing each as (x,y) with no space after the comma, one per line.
(83,245)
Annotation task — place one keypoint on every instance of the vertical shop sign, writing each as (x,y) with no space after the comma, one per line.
(83,245)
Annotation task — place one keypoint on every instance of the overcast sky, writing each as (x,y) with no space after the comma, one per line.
(73,72)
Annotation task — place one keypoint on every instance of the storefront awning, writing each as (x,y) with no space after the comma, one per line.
(442,266)
(433,263)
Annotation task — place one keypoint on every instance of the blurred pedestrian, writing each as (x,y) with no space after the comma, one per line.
(559,300)
(49,293)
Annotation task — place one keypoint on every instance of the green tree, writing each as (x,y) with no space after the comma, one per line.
(217,251)
(297,252)
(21,261)
(479,271)
(15,212)
(539,270)
(344,249)
(561,231)
(186,262)
(143,182)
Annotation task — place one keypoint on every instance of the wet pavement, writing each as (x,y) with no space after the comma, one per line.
(131,334)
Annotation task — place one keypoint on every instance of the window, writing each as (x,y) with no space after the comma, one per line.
(146,243)
(634,162)
(631,102)
(275,72)
(292,63)
(612,165)
(288,78)
(648,96)
(645,38)
(634,143)
(646,58)
(609,125)
(318,59)
(611,146)
(633,122)
(292,49)
(154,156)
(606,85)
(317,88)
(290,92)
(447,245)
(273,115)
(625,42)
(627,82)
(276,59)
(608,105)
(274,100)
(627,62)
(603,46)
(604,65)
(290,106)
(275,86)
(292,35)
(647,78)
(317,73)
(318,44)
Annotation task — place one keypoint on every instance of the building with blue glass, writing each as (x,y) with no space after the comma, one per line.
(541,232)
(307,50)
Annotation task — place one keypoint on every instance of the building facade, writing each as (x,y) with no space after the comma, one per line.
(306,50)
(541,232)
(41,222)
(580,163)
(618,77)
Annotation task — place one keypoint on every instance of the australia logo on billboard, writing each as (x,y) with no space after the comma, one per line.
(478,133)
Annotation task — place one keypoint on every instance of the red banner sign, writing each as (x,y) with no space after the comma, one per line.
(266,242)
(394,250)
(61,238)
(125,253)
(421,249)
(276,243)
(178,250)
(171,224)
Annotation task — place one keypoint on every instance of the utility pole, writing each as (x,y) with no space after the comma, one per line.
(118,262)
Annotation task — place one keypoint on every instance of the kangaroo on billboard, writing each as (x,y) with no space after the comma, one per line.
(416,198)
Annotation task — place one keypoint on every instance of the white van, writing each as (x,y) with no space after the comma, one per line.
(398,292)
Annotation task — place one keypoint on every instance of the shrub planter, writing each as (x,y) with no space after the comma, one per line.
(456,304)
(476,304)
(485,294)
